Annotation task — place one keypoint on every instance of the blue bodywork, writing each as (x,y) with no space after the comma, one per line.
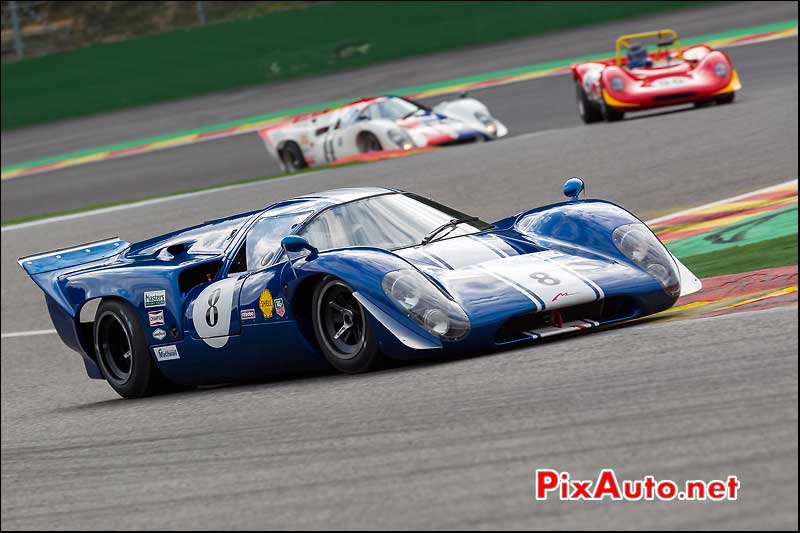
(267,325)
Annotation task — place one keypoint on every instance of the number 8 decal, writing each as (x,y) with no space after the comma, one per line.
(211,313)
(545,279)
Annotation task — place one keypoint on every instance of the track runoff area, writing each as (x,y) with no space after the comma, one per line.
(706,238)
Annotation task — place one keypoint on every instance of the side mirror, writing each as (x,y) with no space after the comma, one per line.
(573,187)
(296,243)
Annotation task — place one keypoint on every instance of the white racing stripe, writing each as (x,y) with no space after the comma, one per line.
(32,333)
(522,290)
(542,279)
(549,257)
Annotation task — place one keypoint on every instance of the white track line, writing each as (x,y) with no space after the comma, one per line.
(145,203)
(32,333)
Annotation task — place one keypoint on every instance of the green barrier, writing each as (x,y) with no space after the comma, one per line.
(318,40)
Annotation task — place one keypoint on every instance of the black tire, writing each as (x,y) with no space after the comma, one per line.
(123,353)
(292,157)
(367,142)
(725,98)
(350,349)
(588,111)
(610,114)
(704,103)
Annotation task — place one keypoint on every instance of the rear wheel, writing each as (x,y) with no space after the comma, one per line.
(292,157)
(123,353)
(367,142)
(725,98)
(342,329)
(589,111)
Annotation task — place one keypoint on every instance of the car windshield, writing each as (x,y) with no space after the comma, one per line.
(388,221)
(393,108)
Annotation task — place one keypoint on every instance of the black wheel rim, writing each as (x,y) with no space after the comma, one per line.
(115,348)
(371,144)
(342,321)
(292,159)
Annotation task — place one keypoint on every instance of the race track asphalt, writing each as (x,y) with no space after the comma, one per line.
(443,445)
(538,105)
(448,444)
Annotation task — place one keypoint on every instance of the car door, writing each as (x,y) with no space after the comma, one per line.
(212,313)
(345,134)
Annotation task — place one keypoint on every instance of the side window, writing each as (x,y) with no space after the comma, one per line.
(263,242)
(368,113)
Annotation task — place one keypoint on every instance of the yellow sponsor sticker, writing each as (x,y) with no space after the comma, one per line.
(266,303)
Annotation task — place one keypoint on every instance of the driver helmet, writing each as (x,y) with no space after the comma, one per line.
(637,56)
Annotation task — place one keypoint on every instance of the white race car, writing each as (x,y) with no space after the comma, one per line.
(383,123)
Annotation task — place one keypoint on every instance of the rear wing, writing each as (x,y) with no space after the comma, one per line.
(74,256)
(665,38)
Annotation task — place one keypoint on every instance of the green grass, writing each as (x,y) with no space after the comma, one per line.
(765,254)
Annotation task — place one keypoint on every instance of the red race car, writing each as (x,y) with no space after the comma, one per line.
(636,79)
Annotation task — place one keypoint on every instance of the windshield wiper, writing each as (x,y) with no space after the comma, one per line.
(450,225)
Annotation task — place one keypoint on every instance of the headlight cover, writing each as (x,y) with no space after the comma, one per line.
(721,69)
(424,303)
(639,245)
(401,139)
(617,83)
(487,121)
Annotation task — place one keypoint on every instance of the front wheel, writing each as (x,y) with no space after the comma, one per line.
(123,353)
(610,114)
(367,142)
(588,111)
(342,328)
(726,98)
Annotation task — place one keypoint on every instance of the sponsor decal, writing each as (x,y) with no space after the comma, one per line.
(166,353)
(248,314)
(266,303)
(156,318)
(159,334)
(155,298)
(279,308)
(560,294)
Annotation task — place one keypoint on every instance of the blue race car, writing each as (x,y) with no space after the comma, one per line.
(342,278)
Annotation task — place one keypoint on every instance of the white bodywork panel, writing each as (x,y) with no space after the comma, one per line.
(689,282)
(331,135)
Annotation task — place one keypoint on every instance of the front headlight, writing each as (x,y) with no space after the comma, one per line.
(487,121)
(721,70)
(401,139)
(617,83)
(639,245)
(424,303)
